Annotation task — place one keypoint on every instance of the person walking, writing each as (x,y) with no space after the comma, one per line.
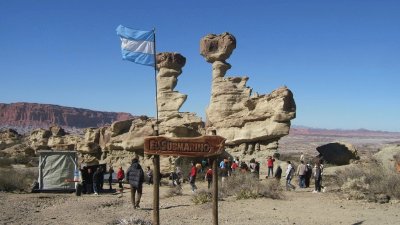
(289,175)
(110,177)
(135,176)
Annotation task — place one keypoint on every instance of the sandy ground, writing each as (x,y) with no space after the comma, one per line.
(298,207)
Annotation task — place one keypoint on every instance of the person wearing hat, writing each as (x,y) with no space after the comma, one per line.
(135,177)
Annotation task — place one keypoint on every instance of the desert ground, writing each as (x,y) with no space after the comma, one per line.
(297,207)
(300,206)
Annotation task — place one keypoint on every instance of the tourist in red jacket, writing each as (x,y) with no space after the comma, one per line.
(270,165)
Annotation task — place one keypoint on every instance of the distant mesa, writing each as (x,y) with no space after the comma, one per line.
(34,115)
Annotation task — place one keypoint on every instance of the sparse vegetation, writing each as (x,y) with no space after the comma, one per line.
(16,179)
(366,181)
(174,191)
(131,221)
(245,186)
(202,197)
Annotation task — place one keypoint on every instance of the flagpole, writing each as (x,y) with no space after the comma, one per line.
(155,73)
(156,158)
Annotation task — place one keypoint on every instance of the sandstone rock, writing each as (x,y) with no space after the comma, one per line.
(8,138)
(250,122)
(57,131)
(120,127)
(169,66)
(38,139)
(217,47)
(338,153)
(388,156)
(6,134)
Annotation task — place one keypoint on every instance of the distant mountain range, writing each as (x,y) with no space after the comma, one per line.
(29,116)
(303,130)
(25,117)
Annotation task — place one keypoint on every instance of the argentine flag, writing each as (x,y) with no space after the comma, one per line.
(137,45)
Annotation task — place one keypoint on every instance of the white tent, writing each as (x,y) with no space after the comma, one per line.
(57,170)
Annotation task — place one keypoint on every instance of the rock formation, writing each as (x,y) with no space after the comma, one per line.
(338,153)
(119,143)
(249,122)
(44,115)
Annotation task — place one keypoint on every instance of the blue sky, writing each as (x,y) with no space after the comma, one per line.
(340,58)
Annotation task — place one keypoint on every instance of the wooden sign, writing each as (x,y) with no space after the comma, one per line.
(203,146)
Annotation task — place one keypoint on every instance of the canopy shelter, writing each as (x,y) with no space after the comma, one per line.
(57,170)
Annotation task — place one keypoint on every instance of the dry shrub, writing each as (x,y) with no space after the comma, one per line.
(202,197)
(174,191)
(17,179)
(245,186)
(6,162)
(364,180)
(131,221)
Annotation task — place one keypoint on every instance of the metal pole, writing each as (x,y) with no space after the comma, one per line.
(215,192)
(156,190)
(156,158)
(215,188)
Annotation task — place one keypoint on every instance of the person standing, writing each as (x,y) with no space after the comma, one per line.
(317,177)
(208,177)
(89,181)
(110,177)
(308,175)
(135,176)
(120,178)
(270,165)
(192,177)
(301,156)
(149,174)
(96,181)
(301,172)
(278,173)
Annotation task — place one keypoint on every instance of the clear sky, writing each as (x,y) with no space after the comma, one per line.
(340,58)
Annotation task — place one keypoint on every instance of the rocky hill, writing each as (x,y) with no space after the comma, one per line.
(23,115)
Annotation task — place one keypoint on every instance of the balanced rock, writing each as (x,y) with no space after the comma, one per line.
(217,47)
(250,122)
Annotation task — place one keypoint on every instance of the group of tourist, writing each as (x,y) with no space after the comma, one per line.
(227,168)
(305,172)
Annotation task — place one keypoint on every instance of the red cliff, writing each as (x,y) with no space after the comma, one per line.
(43,115)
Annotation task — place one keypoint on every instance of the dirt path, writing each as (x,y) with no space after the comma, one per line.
(298,207)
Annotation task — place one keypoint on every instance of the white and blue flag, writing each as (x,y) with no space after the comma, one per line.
(137,45)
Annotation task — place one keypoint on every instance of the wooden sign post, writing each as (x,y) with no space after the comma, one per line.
(204,146)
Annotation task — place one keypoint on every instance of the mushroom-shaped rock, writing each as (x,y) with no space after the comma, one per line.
(217,47)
